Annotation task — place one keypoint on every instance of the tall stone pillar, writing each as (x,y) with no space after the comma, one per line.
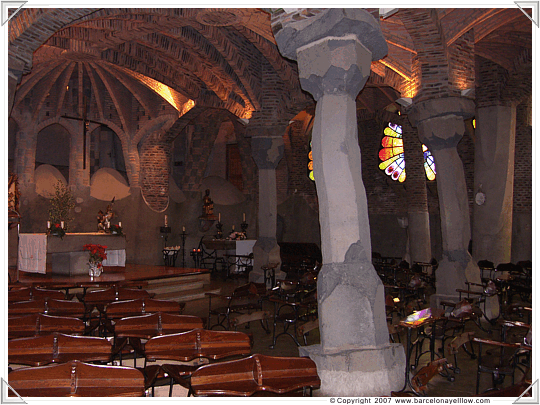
(267,151)
(494,151)
(440,127)
(334,53)
(418,231)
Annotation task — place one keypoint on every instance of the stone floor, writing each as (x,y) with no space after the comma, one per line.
(463,385)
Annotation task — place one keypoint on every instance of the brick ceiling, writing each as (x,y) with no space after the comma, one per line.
(215,57)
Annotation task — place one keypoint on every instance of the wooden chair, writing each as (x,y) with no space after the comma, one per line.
(77,379)
(187,346)
(246,298)
(47,306)
(501,362)
(130,331)
(30,293)
(40,324)
(57,348)
(257,373)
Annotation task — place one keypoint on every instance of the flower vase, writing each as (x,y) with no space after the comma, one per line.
(94,269)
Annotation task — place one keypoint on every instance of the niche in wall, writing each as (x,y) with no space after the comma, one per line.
(52,148)
(106,151)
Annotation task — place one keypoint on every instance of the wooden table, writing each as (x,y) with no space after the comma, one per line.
(112,275)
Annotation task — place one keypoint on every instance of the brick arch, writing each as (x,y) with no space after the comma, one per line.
(31,27)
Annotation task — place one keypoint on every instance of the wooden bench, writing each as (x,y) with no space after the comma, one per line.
(40,324)
(99,299)
(130,330)
(187,346)
(141,306)
(30,293)
(77,379)
(47,306)
(245,377)
(57,348)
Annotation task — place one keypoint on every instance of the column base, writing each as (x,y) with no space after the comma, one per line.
(361,372)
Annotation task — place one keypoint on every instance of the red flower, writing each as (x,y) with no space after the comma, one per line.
(57,225)
(97,252)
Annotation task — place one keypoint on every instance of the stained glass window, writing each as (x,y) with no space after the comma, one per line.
(310,163)
(393,158)
(391,154)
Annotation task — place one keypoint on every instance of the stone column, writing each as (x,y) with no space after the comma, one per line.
(267,151)
(418,231)
(334,53)
(440,127)
(495,136)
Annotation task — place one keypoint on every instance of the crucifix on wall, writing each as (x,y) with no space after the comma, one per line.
(85,123)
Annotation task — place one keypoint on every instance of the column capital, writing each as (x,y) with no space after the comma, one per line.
(333,22)
(267,151)
(440,107)
(334,65)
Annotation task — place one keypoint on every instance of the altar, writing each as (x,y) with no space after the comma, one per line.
(66,255)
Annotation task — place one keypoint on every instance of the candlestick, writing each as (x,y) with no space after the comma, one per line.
(233,227)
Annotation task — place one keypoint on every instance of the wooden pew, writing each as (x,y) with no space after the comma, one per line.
(142,306)
(130,330)
(30,293)
(40,324)
(187,346)
(99,299)
(47,306)
(77,379)
(57,348)
(245,377)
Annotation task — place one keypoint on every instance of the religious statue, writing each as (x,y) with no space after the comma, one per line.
(104,219)
(208,205)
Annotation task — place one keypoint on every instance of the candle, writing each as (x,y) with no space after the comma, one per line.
(233,227)
(62,224)
(165,220)
(120,224)
(244,218)
(48,224)
(183,229)
(219,217)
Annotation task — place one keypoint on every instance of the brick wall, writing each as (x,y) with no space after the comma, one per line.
(523,159)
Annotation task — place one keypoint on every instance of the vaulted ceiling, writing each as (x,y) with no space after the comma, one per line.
(220,58)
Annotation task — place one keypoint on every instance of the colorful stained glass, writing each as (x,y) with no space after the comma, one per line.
(391,155)
(393,158)
(429,163)
(310,164)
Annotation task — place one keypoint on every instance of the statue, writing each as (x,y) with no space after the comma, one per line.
(104,219)
(208,205)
